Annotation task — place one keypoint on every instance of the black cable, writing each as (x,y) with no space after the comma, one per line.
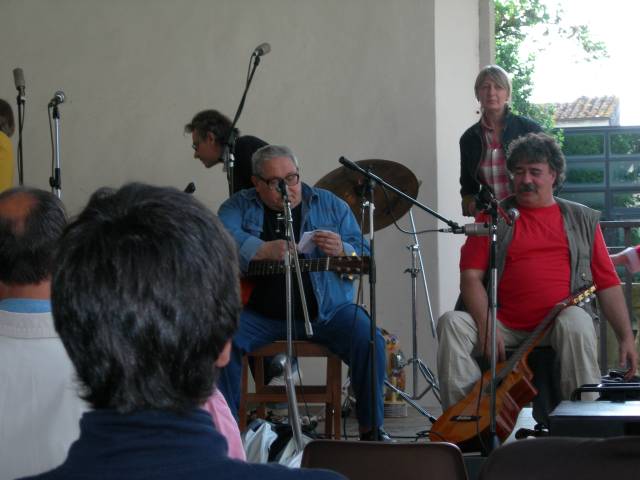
(395,220)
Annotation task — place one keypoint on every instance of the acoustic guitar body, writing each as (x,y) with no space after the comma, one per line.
(467,422)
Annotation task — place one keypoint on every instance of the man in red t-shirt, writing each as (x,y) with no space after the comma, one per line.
(554,247)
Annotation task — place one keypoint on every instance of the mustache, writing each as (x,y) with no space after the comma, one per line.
(527,187)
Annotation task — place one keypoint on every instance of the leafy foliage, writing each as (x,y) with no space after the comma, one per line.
(514,21)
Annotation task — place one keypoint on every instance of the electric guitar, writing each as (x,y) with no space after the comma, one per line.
(469,419)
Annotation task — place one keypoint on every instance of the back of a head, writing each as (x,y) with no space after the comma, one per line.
(31,223)
(145,296)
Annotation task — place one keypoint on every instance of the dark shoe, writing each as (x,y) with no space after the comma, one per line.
(382,436)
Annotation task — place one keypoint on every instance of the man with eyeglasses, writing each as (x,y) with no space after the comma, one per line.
(209,131)
(252,218)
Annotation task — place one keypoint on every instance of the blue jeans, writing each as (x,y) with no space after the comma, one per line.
(346,335)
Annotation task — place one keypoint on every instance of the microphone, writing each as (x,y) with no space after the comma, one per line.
(190,188)
(18,79)
(470,230)
(58,98)
(351,165)
(513,214)
(262,49)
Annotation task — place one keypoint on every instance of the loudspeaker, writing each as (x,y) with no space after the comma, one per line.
(595,419)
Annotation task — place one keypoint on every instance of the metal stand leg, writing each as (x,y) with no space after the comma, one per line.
(418,366)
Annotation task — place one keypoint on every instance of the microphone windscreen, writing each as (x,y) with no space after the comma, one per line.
(263,49)
(18,77)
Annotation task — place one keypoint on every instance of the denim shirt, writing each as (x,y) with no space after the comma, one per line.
(243,216)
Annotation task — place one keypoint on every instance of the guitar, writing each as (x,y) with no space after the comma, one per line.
(344,265)
(465,421)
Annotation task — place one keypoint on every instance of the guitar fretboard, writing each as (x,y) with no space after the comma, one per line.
(346,265)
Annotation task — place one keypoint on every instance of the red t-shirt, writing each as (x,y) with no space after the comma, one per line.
(537,272)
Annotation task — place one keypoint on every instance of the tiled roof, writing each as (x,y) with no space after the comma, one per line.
(588,108)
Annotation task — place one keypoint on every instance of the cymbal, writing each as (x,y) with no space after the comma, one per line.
(349,186)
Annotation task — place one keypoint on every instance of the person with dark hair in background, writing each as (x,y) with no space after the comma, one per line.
(145,299)
(553,250)
(40,407)
(209,130)
(251,216)
(7,128)
(484,145)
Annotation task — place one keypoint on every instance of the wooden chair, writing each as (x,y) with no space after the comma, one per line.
(562,457)
(386,461)
(329,394)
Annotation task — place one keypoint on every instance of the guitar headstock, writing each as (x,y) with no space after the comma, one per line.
(350,265)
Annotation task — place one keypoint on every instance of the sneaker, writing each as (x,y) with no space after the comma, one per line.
(382,436)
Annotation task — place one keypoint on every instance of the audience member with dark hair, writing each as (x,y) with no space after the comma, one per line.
(145,299)
(7,128)
(209,131)
(40,405)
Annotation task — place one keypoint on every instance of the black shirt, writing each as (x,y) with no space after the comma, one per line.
(245,147)
(268,297)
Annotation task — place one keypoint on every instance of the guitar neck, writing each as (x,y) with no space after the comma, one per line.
(539,332)
(343,264)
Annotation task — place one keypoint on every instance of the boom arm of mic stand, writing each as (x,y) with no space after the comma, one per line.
(455,228)
(230,140)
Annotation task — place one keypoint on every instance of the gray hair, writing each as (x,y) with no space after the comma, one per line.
(496,74)
(268,152)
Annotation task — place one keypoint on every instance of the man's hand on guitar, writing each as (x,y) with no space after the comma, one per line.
(329,243)
(486,345)
(273,250)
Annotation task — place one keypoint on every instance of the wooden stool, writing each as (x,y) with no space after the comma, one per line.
(329,394)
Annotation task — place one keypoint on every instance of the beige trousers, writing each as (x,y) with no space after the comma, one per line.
(573,337)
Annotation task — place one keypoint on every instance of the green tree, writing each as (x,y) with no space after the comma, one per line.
(514,21)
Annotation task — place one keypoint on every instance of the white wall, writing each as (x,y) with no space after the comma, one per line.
(359,78)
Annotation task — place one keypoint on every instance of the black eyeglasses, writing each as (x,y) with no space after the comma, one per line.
(291,180)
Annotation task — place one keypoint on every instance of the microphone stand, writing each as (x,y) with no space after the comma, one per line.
(20,100)
(230,142)
(294,415)
(369,191)
(492,209)
(55,181)
(455,228)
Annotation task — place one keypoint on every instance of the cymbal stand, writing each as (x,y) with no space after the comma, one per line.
(418,365)
(424,275)
(292,401)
